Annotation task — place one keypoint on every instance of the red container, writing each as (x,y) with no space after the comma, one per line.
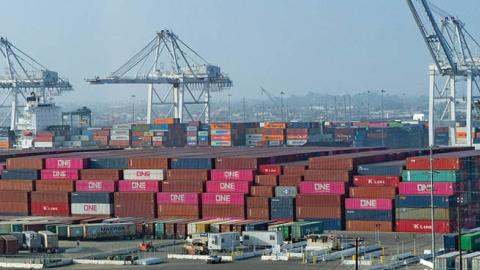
(60,174)
(189,211)
(17,185)
(374,180)
(328,175)
(258,213)
(238,175)
(139,186)
(223,199)
(223,211)
(262,191)
(269,169)
(368,226)
(438,163)
(313,200)
(57,185)
(290,180)
(258,202)
(424,226)
(148,163)
(65,163)
(96,185)
(50,203)
(368,204)
(266,180)
(294,169)
(308,212)
(421,188)
(188,175)
(178,198)
(100,174)
(135,204)
(327,188)
(373,192)
(228,187)
(183,186)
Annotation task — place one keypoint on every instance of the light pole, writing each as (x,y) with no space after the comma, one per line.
(283,107)
(383,118)
(133,109)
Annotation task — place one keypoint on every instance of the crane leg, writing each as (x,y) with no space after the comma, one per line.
(431,100)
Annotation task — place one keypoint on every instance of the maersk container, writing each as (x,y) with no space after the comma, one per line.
(109,230)
(302,229)
(262,238)
(450,242)
(285,191)
(467,260)
(372,215)
(438,176)
(192,163)
(415,201)
(446,261)
(471,241)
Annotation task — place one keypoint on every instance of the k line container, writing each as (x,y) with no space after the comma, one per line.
(60,174)
(149,174)
(238,175)
(423,226)
(96,185)
(268,169)
(368,204)
(327,188)
(178,198)
(420,188)
(228,187)
(139,186)
(366,180)
(65,163)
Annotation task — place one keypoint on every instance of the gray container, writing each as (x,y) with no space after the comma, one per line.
(446,261)
(282,202)
(21,174)
(286,191)
(32,240)
(467,260)
(92,197)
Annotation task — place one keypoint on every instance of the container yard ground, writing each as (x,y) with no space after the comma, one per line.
(393,243)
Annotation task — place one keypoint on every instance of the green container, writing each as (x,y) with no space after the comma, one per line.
(395,124)
(5,228)
(471,241)
(438,176)
(62,231)
(302,229)
(75,231)
(159,229)
(141,127)
(286,229)
(425,213)
(17,227)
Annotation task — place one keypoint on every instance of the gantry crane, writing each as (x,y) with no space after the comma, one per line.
(168,61)
(25,79)
(452,49)
(278,102)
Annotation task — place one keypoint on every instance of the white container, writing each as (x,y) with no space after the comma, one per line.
(132,174)
(43,144)
(91,209)
(120,137)
(122,126)
(253,137)
(119,132)
(262,238)
(227,241)
(157,139)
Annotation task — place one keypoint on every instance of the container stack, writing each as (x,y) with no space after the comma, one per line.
(453,173)
(92,203)
(273,133)
(204,135)
(228,134)
(6,138)
(223,205)
(254,137)
(178,205)
(141,135)
(101,137)
(120,135)
(192,133)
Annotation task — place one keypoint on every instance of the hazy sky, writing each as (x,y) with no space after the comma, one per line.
(326,46)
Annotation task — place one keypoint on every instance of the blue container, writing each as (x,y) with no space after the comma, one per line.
(192,163)
(450,242)
(159,127)
(21,174)
(257,226)
(282,213)
(92,197)
(108,163)
(282,202)
(393,168)
(329,224)
(375,215)
(424,201)
(299,125)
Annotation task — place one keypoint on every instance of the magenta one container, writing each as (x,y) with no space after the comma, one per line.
(326,188)
(223,199)
(65,163)
(60,174)
(228,186)
(139,186)
(96,186)
(368,204)
(422,188)
(178,198)
(237,175)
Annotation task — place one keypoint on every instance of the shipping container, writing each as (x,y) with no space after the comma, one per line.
(144,174)
(96,185)
(423,226)
(372,215)
(100,174)
(135,204)
(371,226)
(376,180)
(368,204)
(421,188)
(238,175)
(321,188)
(228,187)
(415,201)
(373,192)
(60,174)
(139,186)
(66,163)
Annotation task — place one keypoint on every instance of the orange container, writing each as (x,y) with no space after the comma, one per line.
(158,121)
(221,126)
(274,125)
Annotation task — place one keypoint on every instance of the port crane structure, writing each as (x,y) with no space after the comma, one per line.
(453,78)
(25,79)
(168,61)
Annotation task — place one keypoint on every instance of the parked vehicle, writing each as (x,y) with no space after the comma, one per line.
(214,259)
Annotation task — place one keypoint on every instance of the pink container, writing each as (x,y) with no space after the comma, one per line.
(60,174)
(228,186)
(422,188)
(65,163)
(368,204)
(223,198)
(96,185)
(327,188)
(378,125)
(139,186)
(178,198)
(237,175)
